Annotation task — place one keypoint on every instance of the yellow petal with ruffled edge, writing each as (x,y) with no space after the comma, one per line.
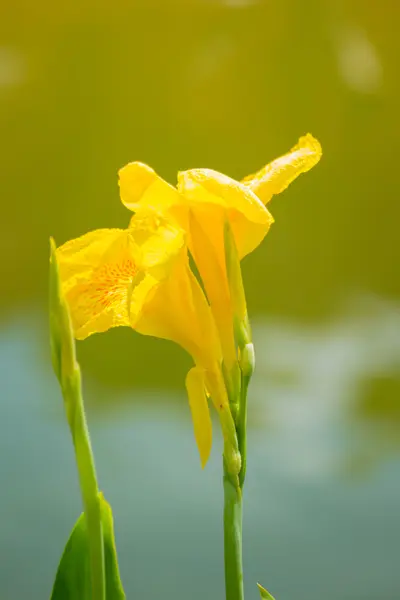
(202,190)
(96,270)
(139,277)
(208,191)
(243,202)
(200,412)
(80,255)
(275,177)
(141,188)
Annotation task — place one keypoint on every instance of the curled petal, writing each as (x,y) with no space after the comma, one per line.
(207,186)
(209,192)
(277,175)
(141,187)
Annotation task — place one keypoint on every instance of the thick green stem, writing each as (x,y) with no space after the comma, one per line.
(233,485)
(233,539)
(88,483)
(233,490)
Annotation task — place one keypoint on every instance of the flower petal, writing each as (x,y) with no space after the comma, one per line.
(96,270)
(206,189)
(140,186)
(103,269)
(157,239)
(209,186)
(200,412)
(207,247)
(80,255)
(277,175)
(176,309)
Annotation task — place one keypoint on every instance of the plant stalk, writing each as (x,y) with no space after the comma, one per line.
(88,482)
(241,427)
(233,539)
(233,500)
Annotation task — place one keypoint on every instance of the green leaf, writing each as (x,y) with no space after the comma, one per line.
(61,335)
(73,575)
(264,594)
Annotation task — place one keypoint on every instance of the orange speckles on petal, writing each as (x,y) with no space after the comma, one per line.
(97,271)
(106,295)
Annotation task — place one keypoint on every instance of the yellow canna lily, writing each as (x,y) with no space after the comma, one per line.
(140,277)
(202,202)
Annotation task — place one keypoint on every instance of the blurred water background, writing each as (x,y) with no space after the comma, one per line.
(85,88)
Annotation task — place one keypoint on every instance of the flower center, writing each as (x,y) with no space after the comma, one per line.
(112,281)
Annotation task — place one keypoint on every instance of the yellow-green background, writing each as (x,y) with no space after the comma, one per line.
(86,87)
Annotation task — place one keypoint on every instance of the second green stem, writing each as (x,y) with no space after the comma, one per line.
(233,539)
(88,483)
(233,500)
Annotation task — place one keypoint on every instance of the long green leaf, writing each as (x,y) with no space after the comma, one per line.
(73,575)
(264,594)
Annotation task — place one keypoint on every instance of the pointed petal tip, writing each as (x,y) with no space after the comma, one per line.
(200,413)
(310,142)
(204,449)
(204,461)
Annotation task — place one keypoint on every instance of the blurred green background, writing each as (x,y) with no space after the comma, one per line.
(87,87)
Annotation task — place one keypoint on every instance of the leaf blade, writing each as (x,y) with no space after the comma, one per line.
(73,575)
(264,594)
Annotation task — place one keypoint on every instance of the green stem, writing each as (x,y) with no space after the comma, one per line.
(233,539)
(87,480)
(241,427)
(233,494)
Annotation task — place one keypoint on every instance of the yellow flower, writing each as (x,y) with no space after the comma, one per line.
(140,277)
(203,200)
